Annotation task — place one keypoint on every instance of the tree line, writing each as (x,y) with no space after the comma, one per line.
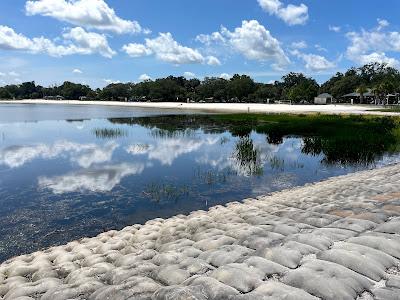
(297,87)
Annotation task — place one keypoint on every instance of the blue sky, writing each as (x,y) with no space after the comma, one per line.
(101,41)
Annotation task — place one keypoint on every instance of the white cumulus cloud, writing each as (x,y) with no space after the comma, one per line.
(255,42)
(77,71)
(314,62)
(334,28)
(382,23)
(92,14)
(76,41)
(111,81)
(290,14)
(373,45)
(252,40)
(208,39)
(189,75)
(213,61)
(136,50)
(225,76)
(144,77)
(299,45)
(166,49)
(89,42)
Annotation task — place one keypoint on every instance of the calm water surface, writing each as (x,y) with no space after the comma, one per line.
(61,180)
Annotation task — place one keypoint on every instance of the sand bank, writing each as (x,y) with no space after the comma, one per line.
(337,239)
(224,107)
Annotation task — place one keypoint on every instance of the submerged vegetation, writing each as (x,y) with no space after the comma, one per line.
(109,133)
(346,140)
(343,140)
(159,192)
(211,177)
(248,157)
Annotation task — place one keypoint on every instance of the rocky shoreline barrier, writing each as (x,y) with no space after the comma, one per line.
(336,239)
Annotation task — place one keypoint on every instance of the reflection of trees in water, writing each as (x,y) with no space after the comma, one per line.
(353,140)
(247,157)
(275,136)
(348,151)
(109,133)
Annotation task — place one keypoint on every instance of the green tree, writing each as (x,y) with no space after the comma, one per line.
(212,87)
(264,92)
(240,86)
(73,91)
(297,87)
(167,89)
(5,94)
(115,91)
(305,90)
(345,85)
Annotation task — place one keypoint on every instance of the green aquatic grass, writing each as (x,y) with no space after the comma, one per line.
(109,133)
(342,139)
(157,191)
(308,125)
(345,140)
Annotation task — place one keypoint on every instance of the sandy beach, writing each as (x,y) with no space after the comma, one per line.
(222,107)
(336,239)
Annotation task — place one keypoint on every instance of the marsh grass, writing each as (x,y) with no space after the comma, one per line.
(158,133)
(109,133)
(159,192)
(277,163)
(247,157)
(342,139)
(212,177)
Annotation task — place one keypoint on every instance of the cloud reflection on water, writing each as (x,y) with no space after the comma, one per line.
(85,155)
(167,150)
(97,179)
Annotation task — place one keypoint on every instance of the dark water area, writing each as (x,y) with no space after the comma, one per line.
(65,179)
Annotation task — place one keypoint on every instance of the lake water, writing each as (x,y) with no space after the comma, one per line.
(62,179)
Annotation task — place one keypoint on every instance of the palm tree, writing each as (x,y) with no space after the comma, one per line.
(387,87)
(374,90)
(380,92)
(362,89)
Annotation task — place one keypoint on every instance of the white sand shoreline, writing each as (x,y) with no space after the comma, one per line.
(222,107)
(335,239)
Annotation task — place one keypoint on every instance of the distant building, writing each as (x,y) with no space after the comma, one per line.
(355,98)
(324,98)
(393,98)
